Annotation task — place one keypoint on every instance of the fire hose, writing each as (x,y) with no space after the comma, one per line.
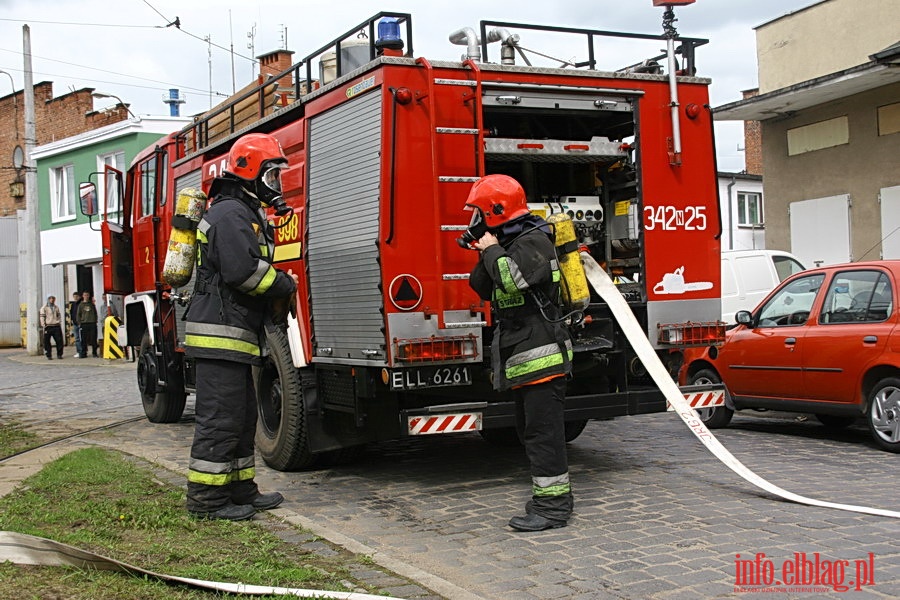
(604,286)
(24,549)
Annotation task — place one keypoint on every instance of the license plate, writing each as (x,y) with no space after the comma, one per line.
(432,376)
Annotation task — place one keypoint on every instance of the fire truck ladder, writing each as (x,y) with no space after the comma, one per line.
(440,181)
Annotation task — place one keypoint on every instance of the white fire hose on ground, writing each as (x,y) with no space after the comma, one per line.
(24,549)
(604,286)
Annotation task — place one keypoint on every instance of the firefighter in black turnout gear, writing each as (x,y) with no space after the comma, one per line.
(236,284)
(531,355)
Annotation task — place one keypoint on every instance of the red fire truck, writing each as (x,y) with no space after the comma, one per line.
(383,148)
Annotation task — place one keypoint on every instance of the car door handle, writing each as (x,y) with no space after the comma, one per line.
(870,339)
(790,341)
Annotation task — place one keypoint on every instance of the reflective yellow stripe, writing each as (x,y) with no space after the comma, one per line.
(209,478)
(553,490)
(266,282)
(532,366)
(244,474)
(218,343)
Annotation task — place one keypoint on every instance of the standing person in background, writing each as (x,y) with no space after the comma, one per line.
(76,330)
(51,323)
(87,321)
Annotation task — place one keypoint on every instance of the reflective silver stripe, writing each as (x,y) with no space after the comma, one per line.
(535,353)
(548,481)
(244,463)
(206,466)
(516,275)
(225,331)
(554,264)
(203,226)
(251,282)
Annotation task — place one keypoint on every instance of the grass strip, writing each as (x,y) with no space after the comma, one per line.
(101,501)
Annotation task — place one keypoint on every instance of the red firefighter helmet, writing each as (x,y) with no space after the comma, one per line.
(250,154)
(500,198)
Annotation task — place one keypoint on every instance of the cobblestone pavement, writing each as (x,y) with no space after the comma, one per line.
(656,515)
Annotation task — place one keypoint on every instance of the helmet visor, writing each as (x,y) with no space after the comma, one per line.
(271,177)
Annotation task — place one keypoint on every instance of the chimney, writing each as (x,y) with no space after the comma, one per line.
(752,141)
(273,63)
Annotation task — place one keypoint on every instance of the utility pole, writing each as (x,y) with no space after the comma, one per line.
(34,287)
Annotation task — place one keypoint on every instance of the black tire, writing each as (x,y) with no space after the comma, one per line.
(883,414)
(836,421)
(503,437)
(717,416)
(574,429)
(281,432)
(160,405)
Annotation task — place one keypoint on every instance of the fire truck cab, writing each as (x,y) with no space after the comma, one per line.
(383,147)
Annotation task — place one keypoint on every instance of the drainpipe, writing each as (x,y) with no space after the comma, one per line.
(730,217)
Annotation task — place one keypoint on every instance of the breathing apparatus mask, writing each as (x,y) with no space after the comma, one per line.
(268,188)
(476,230)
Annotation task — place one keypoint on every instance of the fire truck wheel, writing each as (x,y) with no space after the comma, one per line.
(574,429)
(281,433)
(160,405)
(718,416)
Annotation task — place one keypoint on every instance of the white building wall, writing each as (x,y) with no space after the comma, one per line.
(734,236)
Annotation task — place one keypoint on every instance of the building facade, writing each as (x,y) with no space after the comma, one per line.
(829,111)
(742,210)
(71,245)
(54,119)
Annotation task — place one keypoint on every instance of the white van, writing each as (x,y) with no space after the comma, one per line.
(749,275)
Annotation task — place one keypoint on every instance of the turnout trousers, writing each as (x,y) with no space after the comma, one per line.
(222,467)
(540,415)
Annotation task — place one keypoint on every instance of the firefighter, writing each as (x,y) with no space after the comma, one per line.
(236,284)
(531,354)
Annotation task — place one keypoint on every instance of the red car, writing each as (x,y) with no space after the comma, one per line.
(826,341)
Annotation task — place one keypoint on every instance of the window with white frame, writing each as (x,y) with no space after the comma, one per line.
(750,209)
(115,160)
(62,193)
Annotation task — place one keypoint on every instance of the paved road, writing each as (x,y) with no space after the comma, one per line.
(656,516)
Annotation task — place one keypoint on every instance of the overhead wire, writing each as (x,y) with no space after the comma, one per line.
(205,40)
(169,23)
(116,25)
(185,87)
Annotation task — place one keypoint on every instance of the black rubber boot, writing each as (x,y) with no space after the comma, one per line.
(533,522)
(229,512)
(266,501)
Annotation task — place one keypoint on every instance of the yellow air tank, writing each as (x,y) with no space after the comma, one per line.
(575,292)
(182,250)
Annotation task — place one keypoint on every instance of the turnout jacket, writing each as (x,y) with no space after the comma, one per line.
(515,275)
(235,278)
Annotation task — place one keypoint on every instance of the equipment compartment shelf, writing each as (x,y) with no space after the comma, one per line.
(598,149)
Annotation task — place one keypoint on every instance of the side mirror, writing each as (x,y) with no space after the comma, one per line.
(88,194)
(743,317)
